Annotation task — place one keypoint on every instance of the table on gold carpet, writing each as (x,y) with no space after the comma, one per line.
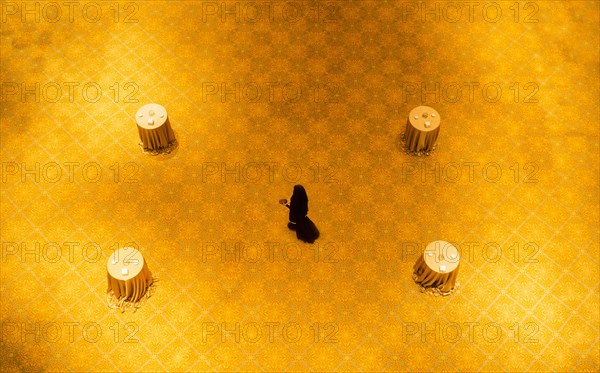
(129,279)
(154,129)
(436,271)
(422,130)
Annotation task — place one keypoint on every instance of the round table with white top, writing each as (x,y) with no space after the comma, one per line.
(436,271)
(154,129)
(129,279)
(422,130)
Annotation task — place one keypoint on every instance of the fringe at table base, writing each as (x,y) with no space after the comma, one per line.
(124,304)
(417,153)
(436,291)
(166,150)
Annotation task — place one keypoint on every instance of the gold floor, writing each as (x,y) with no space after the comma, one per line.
(263,96)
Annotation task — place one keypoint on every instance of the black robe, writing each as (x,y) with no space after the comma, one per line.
(305,229)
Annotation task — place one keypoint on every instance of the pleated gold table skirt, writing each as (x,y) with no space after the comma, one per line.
(420,141)
(157,139)
(434,282)
(130,293)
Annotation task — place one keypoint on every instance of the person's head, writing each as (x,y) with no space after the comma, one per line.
(299,195)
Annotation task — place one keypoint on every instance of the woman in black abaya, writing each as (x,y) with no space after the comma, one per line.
(305,229)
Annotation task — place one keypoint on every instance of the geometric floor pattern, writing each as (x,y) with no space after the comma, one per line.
(263,96)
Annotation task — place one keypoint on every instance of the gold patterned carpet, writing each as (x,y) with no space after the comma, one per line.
(266,95)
